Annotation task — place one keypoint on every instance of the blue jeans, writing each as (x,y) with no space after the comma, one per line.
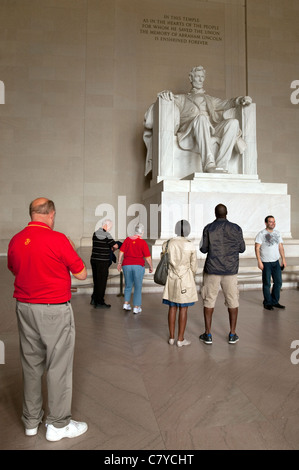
(133,278)
(272,269)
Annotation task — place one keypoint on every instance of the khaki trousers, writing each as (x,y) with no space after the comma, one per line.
(47,340)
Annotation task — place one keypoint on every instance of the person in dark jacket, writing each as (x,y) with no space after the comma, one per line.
(100,260)
(222,241)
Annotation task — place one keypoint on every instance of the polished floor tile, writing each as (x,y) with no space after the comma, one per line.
(137,392)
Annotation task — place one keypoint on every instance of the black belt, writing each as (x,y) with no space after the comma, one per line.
(61,303)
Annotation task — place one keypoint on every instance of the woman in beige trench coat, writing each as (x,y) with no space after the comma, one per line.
(180,289)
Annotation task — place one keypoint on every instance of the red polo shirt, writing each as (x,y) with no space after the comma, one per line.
(135,249)
(41,260)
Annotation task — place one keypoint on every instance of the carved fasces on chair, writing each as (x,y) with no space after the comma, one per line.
(167,158)
(247,119)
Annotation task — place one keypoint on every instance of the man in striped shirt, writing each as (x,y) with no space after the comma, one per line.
(102,244)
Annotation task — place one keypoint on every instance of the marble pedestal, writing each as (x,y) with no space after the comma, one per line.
(194,198)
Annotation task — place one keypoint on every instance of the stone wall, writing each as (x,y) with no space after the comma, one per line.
(80,74)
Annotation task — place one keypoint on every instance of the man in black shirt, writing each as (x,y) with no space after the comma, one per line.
(102,244)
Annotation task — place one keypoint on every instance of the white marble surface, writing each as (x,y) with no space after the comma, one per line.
(249,212)
(248,201)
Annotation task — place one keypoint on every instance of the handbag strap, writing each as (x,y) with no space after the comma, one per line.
(166,247)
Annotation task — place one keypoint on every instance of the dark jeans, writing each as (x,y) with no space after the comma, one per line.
(272,269)
(100,270)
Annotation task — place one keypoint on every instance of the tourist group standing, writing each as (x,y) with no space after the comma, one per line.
(42,259)
(222,241)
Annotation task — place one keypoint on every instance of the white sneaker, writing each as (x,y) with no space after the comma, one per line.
(171,341)
(73,429)
(126,306)
(31,432)
(137,310)
(185,342)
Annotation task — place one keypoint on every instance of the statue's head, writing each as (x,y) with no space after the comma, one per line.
(199,68)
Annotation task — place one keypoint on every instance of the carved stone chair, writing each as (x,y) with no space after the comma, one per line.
(167,160)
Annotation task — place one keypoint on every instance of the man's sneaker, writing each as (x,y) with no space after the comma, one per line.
(206,338)
(31,432)
(233,338)
(126,306)
(73,429)
(137,310)
(279,306)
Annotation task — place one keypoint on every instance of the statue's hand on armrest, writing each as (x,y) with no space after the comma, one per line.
(243,101)
(165,95)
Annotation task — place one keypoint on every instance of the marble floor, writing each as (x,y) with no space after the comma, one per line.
(136,392)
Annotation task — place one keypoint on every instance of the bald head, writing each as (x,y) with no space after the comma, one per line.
(42,210)
(221,211)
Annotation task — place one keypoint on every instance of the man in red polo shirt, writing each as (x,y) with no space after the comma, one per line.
(41,261)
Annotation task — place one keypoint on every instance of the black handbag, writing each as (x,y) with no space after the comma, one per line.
(161,271)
